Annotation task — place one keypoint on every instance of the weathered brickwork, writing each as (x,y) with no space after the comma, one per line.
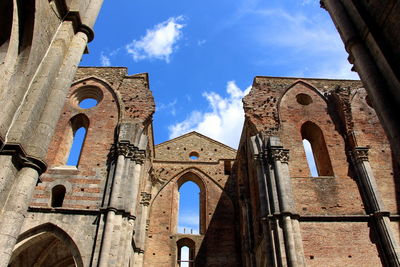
(330,212)
(216,244)
(261,209)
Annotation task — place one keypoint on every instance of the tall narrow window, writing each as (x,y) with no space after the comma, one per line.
(316,151)
(186,252)
(189,208)
(57,196)
(75,139)
(76,148)
(310,158)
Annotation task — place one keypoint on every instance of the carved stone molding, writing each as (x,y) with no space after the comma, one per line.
(21,159)
(129,151)
(139,156)
(146,197)
(279,154)
(360,154)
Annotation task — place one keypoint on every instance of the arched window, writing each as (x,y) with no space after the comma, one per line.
(310,158)
(189,208)
(186,252)
(57,196)
(76,147)
(75,138)
(316,151)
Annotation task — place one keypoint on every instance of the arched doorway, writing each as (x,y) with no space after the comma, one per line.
(45,246)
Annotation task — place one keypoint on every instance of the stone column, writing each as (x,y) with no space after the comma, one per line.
(141,234)
(374,205)
(279,159)
(15,210)
(266,199)
(137,160)
(122,149)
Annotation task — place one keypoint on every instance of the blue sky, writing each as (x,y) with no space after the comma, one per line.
(202,56)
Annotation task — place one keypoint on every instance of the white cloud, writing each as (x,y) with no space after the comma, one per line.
(201,42)
(310,40)
(105,60)
(223,123)
(159,42)
(170,107)
(297,31)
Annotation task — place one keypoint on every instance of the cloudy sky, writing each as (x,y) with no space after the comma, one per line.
(202,56)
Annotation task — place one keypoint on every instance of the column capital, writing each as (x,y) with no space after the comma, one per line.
(146,197)
(360,154)
(279,154)
(128,150)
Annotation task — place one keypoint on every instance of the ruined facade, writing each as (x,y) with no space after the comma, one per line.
(346,214)
(259,205)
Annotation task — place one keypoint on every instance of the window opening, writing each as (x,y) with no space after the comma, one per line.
(189,208)
(194,155)
(227,167)
(310,158)
(76,148)
(185,257)
(186,252)
(317,147)
(88,103)
(57,196)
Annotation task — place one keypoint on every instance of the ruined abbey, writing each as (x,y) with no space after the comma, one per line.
(259,205)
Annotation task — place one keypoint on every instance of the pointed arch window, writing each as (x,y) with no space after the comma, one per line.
(76,138)
(57,196)
(190,205)
(316,150)
(189,208)
(186,252)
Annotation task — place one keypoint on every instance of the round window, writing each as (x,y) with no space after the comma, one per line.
(86,97)
(194,155)
(304,99)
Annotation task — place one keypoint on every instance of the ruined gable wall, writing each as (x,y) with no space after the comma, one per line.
(217,244)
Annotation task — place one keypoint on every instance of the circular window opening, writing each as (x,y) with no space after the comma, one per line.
(86,97)
(88,103)
(194,155)
(304,99)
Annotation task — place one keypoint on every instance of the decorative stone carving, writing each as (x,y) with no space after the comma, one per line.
(146,197)
(360,154)
(129,151)
(279,154)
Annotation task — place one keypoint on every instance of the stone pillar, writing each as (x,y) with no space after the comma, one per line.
(375,207)
(265,199)
(279,159)
(15,210)
(141,229)
(134,182)
(122,150)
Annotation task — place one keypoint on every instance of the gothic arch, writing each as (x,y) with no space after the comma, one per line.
(308,85)
(100,83)
(51,246)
